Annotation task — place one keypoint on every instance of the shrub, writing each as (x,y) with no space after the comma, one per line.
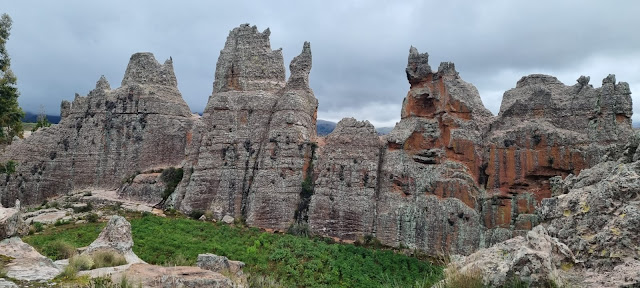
(454,278)
(59,250)
(81,262)
(171,177)
(195,214)
(92,217)
(263,281)
(107,259)
(38,226)
(69,273)
(60,222)
(8,168)
(299,229)
(179,260)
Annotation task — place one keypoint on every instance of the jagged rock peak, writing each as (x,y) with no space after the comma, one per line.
(143,69)
(103,84)
(447,69)
(418,66)
(300,68)
(583,80)
(247,63)
(537,79)
(347,125)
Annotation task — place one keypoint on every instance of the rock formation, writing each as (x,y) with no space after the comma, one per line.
(11,223)
(103,137)
(449,178)
(115,237)
(26,263)
(547,129)
(251,146)
(345,194)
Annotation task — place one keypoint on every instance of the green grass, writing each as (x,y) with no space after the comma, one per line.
(290,260)
(78,235)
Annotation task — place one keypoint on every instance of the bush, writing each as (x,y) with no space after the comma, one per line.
(69,273)
(171,177)
(107,259)
(38,226)
(60,222)
(81,262)
(263,281)
(58,250)
(471,279)
(195,214)
(92,217)
(8,168)
(299,229)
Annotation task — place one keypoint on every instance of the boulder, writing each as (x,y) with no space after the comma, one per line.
(228,219)
(220,264)
(537,259)
(11,223)
(26,263)
(115,237)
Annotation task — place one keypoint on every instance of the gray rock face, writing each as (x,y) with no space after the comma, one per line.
(253,141)
(546,129)
(219,264)
(116,237)
(104,137)
(11,223)
(146,187)
(344,200)
(599,219)
(27,264)
(536,259)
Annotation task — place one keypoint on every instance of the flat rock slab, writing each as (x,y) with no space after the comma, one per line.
(7,284)
(27,263)
(49,217)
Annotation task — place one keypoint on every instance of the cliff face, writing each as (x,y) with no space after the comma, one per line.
(253,142)
(103,137)
(450,177)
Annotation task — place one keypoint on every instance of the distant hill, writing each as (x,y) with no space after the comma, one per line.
(33,117)
(325,127)
(635,124)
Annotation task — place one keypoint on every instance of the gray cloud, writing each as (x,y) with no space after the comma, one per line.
(359,48)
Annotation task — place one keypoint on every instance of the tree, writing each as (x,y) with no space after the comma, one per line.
(41,120)
(10,112)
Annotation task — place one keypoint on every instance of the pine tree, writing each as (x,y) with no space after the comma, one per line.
(10,112)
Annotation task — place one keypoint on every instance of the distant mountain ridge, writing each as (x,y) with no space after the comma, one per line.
(30,117)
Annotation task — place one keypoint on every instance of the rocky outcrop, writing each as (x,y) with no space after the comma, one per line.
(599,220)
(428,193)
(253,141)
(103,137)
(11,223)
(537,259)
(546,129)
(26,263)
(115,237)
(219,264)
(344,198)
(449,178)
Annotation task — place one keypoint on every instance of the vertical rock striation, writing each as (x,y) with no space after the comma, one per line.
(103,137)
(252,144)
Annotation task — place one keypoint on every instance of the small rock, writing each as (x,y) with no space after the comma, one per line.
(228,219)
(219,264)
(202,218)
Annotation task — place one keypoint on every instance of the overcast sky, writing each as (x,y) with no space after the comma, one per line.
(359,47)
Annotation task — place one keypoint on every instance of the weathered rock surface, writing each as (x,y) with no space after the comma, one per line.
(103,137)
(450,178)
(546,129)
(219,264)
(536,259)
(179,276)
(253,141)
(599,220)
(145,187)
(428,193)
(7,284)
(344,199)
(11,223)
(27,264)
(115,237)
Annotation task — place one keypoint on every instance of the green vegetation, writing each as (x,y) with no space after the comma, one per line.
(172,177)
(278,259)
(10,112)
(8,168)
(41,120)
